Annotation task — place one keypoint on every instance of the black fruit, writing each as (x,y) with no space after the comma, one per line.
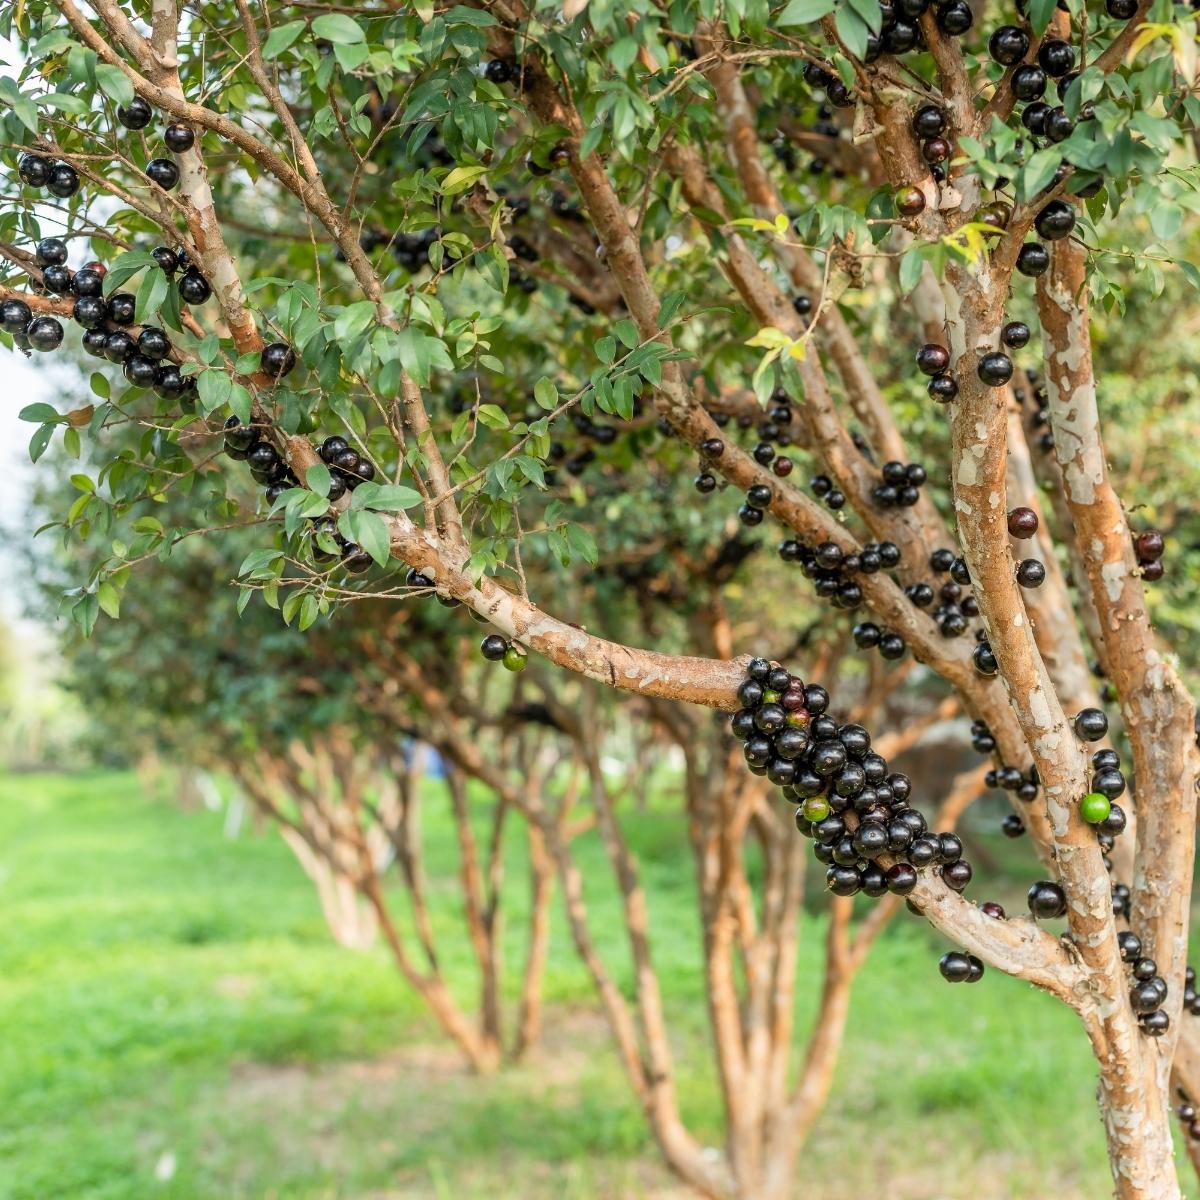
(932,359)
(163,172)
(278,359)
(356,560)
(1028,82)
(1090,724)
(140,371)
(1047,900)
(63,181)
(1008,45)
(1015,335)
(87,282)
(493,647)
(33,170)
(929,121)
(1033,259)
(995,369)
(153,344)
(955,967)
(121,308)
(193,287)
(178,138)
(954,17)
(1031,573)
(1022,523)
(57,279)
(1056,57)
(44,333)
(94,339)
(15,315)
(50,252)
(136,114)
(985,659)
(169,384)
(91,312)
(942,388)
(166,258)
(1056,220)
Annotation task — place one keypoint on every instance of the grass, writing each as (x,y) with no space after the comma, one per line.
(178,1024)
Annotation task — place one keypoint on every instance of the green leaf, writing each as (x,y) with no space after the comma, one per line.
(239,402)
(338,28)
(353,320)
(41,412)
(387,497)
(493,416)
(100,385)
(281,37)
(83,483)
(318,478)
(911,265)
(126,266)
(460,179)
(672,303)
(1037,173)
(870,12)
(114,83)
(150,295)
(545,393)
(109,599)
(366,529)
(853,30)
(804,12)
(213,387)
(606,349)
(260,563)
(21,104)
(627,331)
(40,440)
(1040,12)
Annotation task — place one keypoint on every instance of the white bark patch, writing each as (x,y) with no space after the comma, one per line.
(993,499)
(1114,575)
(1039,708)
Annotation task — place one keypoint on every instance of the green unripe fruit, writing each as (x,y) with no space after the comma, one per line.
(1094,808)
(816,808)
(515,658)
(770,697)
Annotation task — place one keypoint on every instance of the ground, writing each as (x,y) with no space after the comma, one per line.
(178,1024)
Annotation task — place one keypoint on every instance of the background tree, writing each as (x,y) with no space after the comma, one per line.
(665,122)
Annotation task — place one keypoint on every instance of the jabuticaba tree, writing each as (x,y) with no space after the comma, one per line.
(325,734)
(411,264)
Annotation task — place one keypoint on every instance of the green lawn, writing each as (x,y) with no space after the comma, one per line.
(178,1024)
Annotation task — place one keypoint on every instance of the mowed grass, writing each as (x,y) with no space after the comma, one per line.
(176,1022)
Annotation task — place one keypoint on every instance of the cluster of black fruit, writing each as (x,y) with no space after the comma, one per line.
(857,812)
(1149,991)
(955,605)
(900,485)
(774,431)
(1185,1110)
(497,648)
(58,178)
(107,322)
(137,114)
(1149,546)
(1011,779)
(832,497)
(832,572)
(347,469)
